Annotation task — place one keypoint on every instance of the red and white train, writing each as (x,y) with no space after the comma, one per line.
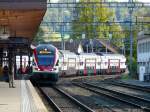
(91,63)
(49,63)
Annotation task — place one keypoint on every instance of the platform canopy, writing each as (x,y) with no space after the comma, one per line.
(21,18)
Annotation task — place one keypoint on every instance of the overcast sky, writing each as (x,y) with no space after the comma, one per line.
(118,0)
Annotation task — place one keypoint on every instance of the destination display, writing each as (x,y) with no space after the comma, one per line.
(45,51)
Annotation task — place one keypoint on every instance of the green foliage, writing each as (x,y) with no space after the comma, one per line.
(88,17)
(117,36)
(136,29)
(133,68)
(39,37)
(125,76)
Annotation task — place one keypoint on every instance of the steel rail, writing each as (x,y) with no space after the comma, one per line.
(50,101)
(136,87)
(105,93)
(86,108)
(115,91)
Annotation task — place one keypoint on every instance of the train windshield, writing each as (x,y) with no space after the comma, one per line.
(46,60)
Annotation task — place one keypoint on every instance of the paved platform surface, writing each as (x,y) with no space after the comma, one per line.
(137,82)
(10,98)
(23,98)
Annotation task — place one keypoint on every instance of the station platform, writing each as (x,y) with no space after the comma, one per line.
(137,83)
(22,98)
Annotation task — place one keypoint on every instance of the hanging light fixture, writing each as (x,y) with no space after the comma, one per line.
(4,35)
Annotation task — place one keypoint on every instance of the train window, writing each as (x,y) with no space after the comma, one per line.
(148,46)
(57,63)
(81,63)
(98,63)
(33,63)
(65,63)
(139,48)
(122,63)
(142,47)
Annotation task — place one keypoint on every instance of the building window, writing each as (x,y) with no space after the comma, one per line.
(149,46)
(142,47)
(139,48)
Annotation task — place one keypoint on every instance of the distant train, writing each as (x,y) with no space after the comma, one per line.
(45,63)
(50,63)
(91,63)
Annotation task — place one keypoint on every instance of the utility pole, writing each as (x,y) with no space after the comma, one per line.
(62,36)
(131,36)
(94,26)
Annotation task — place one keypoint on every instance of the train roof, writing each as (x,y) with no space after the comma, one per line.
(87,54)
(109,54)
(48,45)
(42,46)
(67,52)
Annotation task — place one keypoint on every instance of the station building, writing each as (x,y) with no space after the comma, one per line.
(19,22)
(143,55)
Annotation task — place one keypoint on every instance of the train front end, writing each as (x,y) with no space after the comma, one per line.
(45,63)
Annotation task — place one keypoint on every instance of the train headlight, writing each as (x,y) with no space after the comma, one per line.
(38,69)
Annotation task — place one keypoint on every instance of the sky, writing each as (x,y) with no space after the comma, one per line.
(54,1)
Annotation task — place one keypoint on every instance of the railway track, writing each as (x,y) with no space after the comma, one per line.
(141,103)
(62,101)
(121,84)
(125,89)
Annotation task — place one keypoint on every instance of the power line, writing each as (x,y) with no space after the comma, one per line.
(101,4)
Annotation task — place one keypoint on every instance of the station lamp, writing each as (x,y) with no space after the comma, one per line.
(4,35)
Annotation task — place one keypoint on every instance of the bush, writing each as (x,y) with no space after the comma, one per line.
(133,68)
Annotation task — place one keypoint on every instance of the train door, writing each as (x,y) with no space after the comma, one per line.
(81,65)
(98,65)
(90,65)
(71,68)
(64,65)
(113,65)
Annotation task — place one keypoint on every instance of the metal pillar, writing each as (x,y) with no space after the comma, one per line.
(131,37)
(20,53)
(62,37)
(29,55)
(15,63)
(10,60)
(1,57)
(29,61)
(106,49)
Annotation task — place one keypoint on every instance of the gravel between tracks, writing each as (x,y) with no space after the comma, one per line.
(126,90)
(96,102)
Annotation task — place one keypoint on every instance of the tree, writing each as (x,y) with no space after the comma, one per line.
(95,21)
(39,37)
